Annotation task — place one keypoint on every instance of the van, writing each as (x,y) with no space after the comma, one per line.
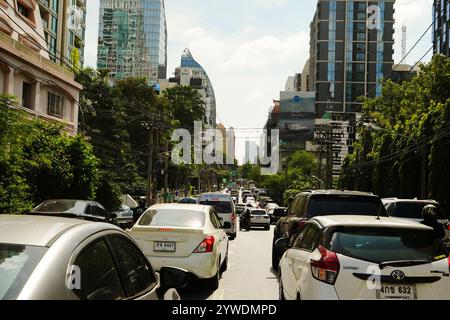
(224,206)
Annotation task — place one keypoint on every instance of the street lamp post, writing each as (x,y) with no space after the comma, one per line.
(420,151)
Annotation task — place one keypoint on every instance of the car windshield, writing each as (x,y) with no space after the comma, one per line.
(173,218)
(412,210)
(17,262)
(345,205)
(380,245)
(258,212)
(219,206)
(61,206)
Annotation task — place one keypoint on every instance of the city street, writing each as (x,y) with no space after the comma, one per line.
(249,275)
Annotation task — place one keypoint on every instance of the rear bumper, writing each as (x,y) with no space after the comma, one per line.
(260,224)
(200,265)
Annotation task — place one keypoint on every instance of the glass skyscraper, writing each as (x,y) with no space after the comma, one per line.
(351,51)
(441,27)
(133,39)
(192,74)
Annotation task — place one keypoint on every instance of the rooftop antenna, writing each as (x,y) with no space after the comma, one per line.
(404,41)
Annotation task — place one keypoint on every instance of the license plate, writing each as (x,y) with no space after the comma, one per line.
(397,292)
(164,246)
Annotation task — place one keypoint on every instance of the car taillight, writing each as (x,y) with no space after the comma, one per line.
(206,246)
(301,225)
(233,217)
(327,268)
(448,226)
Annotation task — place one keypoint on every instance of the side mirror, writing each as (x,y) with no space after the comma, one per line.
(282,244)
(226,225)
(172,278)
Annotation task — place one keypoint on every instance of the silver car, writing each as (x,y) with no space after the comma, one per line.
(51,258)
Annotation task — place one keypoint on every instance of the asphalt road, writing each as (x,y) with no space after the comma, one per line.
(249,275)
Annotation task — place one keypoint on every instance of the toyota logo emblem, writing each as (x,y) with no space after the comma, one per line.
(398,275)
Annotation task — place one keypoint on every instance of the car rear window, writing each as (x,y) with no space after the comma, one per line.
(345,205)
(173,218)
(219,206)
(380,245)
(413,210)
(17,263)
(258,212)
(63,206)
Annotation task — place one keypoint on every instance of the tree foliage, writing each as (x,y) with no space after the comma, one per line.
(414,117)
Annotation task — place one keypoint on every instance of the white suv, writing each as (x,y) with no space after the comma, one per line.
(361,257)
(224,206)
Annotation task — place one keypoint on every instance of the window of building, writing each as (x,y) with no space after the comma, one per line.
(55,105)
(26,9)
(27,90)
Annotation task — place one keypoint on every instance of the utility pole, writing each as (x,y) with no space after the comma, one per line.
(166,168)
(150,168)
(423,180)
(155,176)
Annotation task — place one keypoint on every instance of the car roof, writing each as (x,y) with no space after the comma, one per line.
(367,221)
(179,206)
(341,193)
(39,231)
(409,200)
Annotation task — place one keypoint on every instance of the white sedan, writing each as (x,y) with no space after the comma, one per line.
(259,218)
(364,258)
(188,236)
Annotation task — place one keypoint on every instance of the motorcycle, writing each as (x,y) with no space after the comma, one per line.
(244,224)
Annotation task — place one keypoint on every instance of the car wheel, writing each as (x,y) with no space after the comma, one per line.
(233,236)
(213,283)
(280,289)
(267,228)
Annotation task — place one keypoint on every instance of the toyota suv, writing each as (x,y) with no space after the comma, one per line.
(308,205)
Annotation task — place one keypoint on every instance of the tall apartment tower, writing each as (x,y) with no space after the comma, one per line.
(441,27)
(351,51)
(132,39)
(64,23)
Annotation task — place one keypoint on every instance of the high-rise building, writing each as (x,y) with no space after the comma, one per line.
(64,23)
(132,39)
(192,74)
(351,52)
(441,27)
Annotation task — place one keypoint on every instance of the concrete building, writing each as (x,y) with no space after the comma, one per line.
(43,88)
(132,39)
(192,74)
(441,27)
(293,83)
(351,51)
(305,78)
(404,72)
(64,23)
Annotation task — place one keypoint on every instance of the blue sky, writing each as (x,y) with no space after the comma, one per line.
(250,47)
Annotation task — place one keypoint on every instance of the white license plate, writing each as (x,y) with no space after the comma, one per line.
(397,292)
(164,246)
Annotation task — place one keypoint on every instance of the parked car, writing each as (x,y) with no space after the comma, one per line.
(52,258)
(308,205)
(224,206)
(259,218)
(124,217)
(412,209)
(190,237)
(337,257)
(81,209)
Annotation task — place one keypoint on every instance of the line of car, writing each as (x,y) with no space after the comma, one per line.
(353,245)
